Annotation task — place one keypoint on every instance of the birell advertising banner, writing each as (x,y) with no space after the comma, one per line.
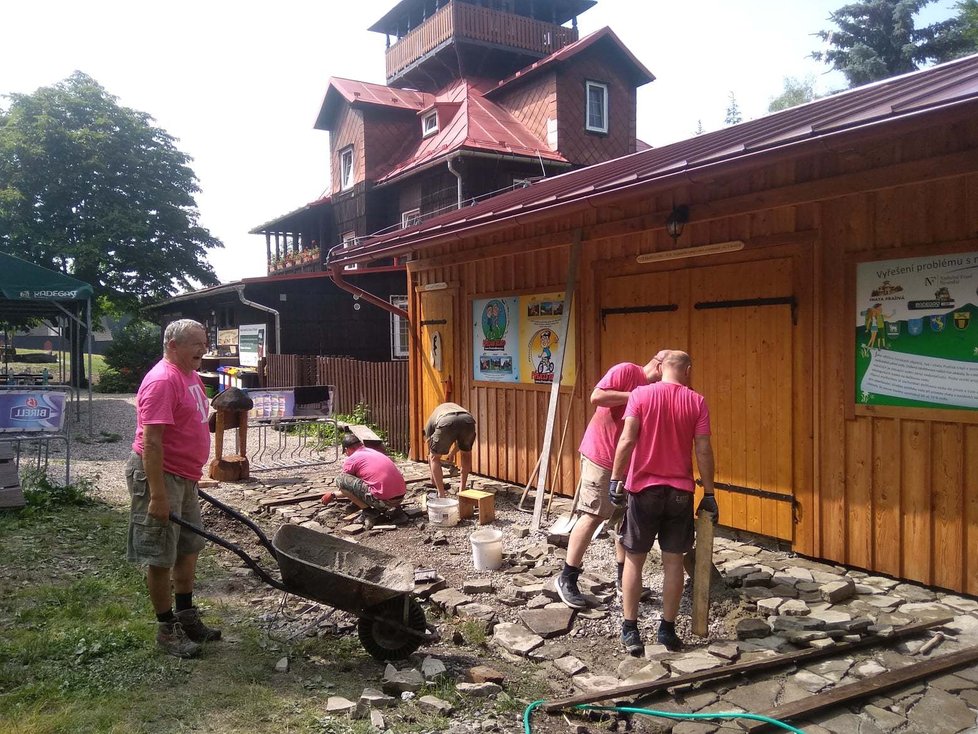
(916,332)
(31,411)
(517,339)
(251,344)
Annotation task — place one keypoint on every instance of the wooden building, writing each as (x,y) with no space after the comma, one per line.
(806,234)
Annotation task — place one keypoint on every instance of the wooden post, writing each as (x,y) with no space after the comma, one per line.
(702,577)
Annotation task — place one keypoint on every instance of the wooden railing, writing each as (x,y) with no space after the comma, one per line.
(472,23)
(381,386)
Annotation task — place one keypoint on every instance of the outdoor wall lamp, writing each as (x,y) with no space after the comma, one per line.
(677,219)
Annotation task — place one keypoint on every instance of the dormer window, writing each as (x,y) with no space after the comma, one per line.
(596,114)
(346,168)
(429,124)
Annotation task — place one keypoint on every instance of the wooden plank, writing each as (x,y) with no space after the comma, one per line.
(969,549)
(874,686)
(703,575)
(916,516)
(858,462)
(281,501)
(946,503)
(728,671)
(888,531)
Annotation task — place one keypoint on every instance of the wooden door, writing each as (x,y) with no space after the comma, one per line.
(440,380)
(741,340)
(641,314)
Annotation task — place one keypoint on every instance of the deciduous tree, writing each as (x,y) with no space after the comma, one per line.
(796,92)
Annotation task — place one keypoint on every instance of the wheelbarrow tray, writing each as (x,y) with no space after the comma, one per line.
(345,575)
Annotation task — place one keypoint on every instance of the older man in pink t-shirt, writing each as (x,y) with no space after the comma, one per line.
(663,422)
(372,482)
(171,445)
(597,455)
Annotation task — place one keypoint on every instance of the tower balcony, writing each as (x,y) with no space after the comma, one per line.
(464,23)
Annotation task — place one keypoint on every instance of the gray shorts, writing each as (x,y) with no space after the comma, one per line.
(155,543)
(593,495)
(663,511)
(452,428)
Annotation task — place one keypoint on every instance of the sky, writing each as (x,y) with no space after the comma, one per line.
(239,84)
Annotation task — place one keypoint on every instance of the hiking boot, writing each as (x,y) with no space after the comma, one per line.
(669,639)
(568,592)
(632,641)
(368,518)
(196,630)
(173,639)
(397,516)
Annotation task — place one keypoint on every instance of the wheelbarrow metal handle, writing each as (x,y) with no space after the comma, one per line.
(251,562)
(240,518)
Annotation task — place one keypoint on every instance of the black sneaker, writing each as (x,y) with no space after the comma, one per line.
(632,641)
(669,639)
(196,630)
(568,592)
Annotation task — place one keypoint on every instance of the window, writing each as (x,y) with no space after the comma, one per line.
(346,168)
(429,124)
(349,240)
(410,218)
(597,107)
(399,330)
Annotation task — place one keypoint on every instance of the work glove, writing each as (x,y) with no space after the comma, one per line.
(616,493)
(709,504)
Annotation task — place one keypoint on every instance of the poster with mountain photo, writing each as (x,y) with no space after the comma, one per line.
(916,332)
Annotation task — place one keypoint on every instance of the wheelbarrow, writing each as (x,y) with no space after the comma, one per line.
(374,586)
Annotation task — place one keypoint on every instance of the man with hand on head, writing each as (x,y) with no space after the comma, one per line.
(597,456)
(171,446)
(653,474)
(372,482)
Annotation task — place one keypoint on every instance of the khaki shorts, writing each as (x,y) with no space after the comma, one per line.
(155,543)
(452,428)
(361,490)
(593,496)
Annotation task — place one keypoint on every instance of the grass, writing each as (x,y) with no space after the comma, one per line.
(78,652)
(16,366)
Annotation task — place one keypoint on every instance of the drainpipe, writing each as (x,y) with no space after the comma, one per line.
(262,307)
(337,277)
(459,177)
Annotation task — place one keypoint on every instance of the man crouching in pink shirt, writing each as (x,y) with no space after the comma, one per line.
(372,482)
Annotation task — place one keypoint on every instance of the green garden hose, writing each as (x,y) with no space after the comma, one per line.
(666,715)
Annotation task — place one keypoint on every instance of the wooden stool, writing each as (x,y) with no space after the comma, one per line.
(233,468)
(470,499)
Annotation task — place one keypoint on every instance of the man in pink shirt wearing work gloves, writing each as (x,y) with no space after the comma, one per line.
(597,455)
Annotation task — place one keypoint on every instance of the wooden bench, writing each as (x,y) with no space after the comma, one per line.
(470,500)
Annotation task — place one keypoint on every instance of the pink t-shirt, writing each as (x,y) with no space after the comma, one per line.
(670,416)
(176,400)
(602,434)
(378,471)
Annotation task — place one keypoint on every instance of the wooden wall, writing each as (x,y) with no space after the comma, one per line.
(897,492)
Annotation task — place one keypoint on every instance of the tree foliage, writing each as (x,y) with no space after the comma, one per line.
(877,39)
(733,116)
(96,190)
(796,92)
(130,355)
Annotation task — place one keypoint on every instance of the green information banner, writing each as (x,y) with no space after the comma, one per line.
(917,332)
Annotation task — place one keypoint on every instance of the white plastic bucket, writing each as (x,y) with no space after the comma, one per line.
(443,511)
(487,549)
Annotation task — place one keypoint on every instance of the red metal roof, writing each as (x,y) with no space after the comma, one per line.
(933,89)
(642,75)
(477,124)
(354,93)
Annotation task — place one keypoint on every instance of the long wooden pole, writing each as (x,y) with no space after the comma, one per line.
(548,433)
(702,576)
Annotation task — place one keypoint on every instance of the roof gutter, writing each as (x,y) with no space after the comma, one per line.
(267,309)
(458,176)
(336,275)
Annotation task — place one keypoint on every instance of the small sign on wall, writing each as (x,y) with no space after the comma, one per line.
(251,344)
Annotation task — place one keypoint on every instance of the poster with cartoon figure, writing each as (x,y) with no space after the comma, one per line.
(915,330)
(495,335)
(540,318)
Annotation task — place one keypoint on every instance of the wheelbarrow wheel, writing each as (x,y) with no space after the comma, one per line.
(389,641)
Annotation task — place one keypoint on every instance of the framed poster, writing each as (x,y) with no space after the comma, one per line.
(227,343)
(517,339)
(251,344)
(916,333)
